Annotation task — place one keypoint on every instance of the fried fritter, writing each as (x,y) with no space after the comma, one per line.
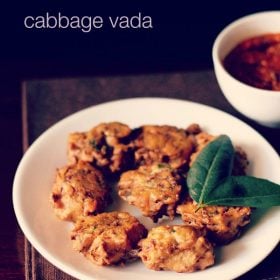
(177,248)
(222,223)
(201,141)
(154,189)
(79,190)
(193,129)
(163,143)
(107,238)
(240,163)
(102,146)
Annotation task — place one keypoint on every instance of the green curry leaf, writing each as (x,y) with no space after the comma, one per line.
(245,191)
(212,165)
(210,183)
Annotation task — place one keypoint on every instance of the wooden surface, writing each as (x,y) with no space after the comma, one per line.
(47,101)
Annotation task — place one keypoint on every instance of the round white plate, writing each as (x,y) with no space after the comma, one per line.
(35,175)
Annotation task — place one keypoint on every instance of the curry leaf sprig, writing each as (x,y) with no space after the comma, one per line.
(210,182)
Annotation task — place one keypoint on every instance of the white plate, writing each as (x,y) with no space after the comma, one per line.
(35,174)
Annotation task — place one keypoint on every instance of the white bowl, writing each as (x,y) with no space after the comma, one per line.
(260,105)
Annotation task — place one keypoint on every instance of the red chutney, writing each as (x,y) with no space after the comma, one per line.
(256,61)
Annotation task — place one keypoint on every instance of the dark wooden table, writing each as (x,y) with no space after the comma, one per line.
(44,102)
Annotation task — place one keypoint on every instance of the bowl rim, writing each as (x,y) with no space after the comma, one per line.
(218,62)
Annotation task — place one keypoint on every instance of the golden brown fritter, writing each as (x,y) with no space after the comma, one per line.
(240,163)
(102,146)
(78,190)
(177,248)
(154,189)
(107,238)
(222,223)
(193,129)
(201,141)
(163,143)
